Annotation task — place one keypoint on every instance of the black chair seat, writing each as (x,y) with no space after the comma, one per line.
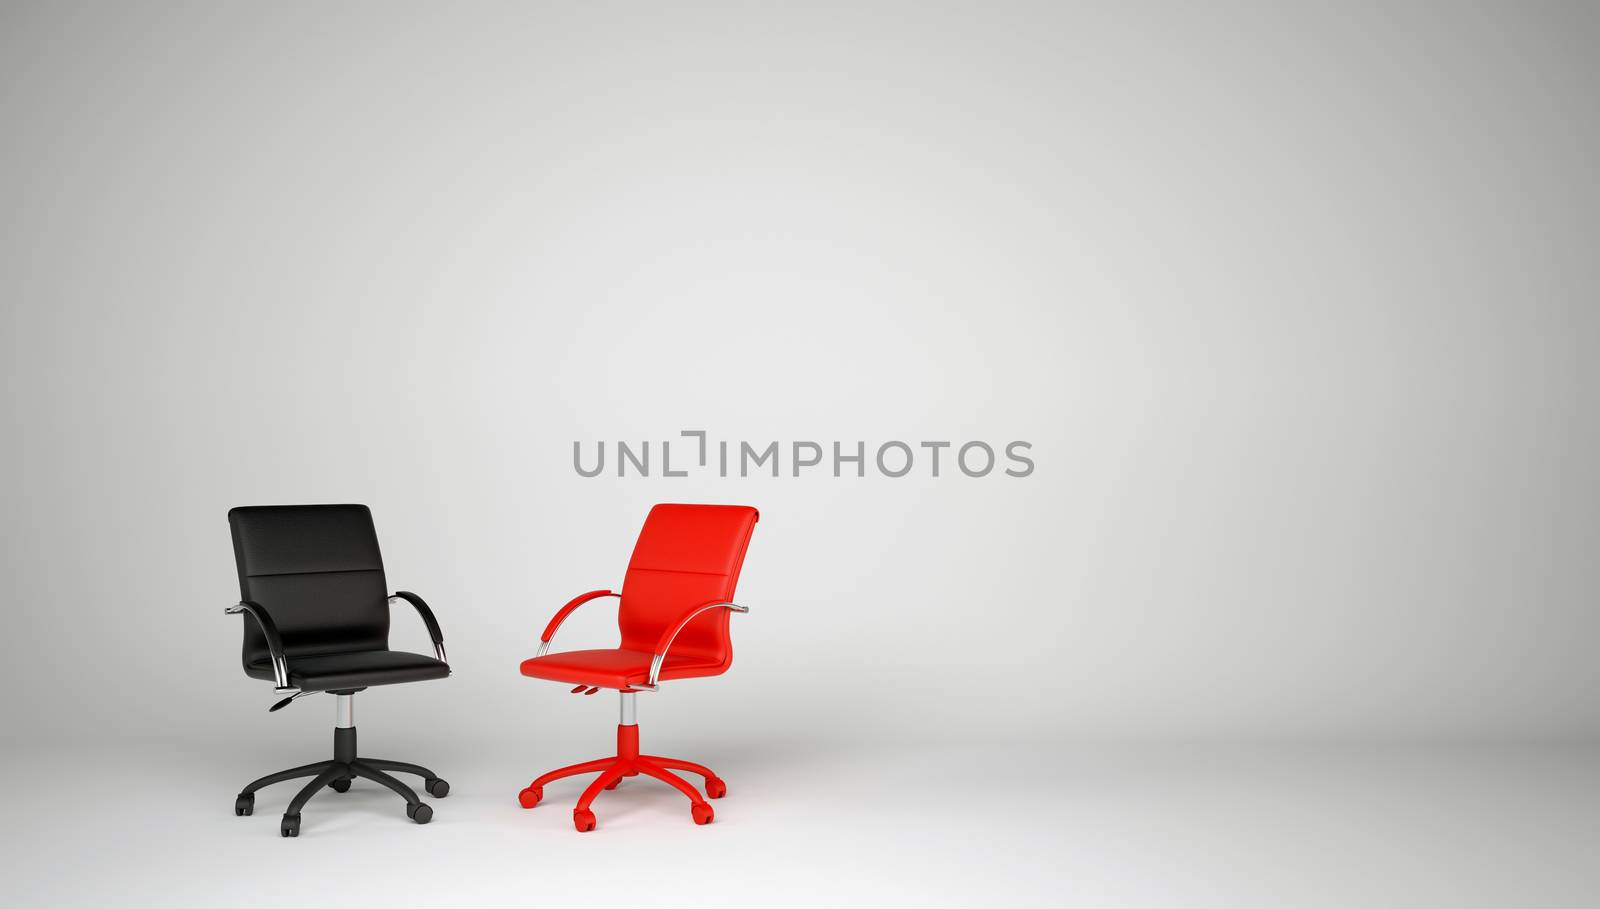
(356,669)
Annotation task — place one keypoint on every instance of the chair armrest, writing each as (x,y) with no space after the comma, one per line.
(269,630)
(427,619)
(563,612)
(667,637)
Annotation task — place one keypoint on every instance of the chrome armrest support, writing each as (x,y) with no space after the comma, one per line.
(280,665)
(661,650)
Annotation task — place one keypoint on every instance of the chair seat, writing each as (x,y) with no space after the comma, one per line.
(355,669)
(613,668)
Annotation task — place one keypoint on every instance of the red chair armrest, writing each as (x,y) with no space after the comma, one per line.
(665,643)
(563,612)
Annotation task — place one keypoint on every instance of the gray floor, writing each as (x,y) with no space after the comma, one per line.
(954,825)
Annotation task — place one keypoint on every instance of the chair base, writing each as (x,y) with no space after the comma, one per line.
(337,775)
(629,762)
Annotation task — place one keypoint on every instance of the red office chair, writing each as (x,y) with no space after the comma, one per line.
(674,619)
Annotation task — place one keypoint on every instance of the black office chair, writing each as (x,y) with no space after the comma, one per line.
(312,579)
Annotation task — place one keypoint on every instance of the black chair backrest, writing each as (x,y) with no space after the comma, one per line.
(317,571)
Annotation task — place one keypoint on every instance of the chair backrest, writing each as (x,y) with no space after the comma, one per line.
(317,571)
(687,556)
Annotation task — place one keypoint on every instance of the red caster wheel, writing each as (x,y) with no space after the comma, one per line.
(614,783)
(702,813)
(583,819)
(716,788)
(530,796)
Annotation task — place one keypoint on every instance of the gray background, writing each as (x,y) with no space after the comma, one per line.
(1297,308)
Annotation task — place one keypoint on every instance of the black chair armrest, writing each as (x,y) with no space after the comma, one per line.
(427,619)
(269,631)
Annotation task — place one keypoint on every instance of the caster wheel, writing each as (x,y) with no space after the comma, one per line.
(290,825)
(583,819)
(716,788)
(340,785)
(437,788)
(419,812)
(530,796)
(702,813)
(615,783)
(245,805)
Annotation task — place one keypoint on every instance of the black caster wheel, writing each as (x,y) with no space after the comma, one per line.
(245,805)
(340,785)
(437,788)
(290,825)
(419,812)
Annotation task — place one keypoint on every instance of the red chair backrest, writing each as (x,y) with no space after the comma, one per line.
(687,556)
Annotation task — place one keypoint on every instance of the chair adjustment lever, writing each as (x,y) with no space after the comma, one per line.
(285,702)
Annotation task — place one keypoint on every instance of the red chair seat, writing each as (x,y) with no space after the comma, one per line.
(614,668)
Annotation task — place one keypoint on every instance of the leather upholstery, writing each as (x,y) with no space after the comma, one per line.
(316,570)
(686,556)
(356,670)
(613,668)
